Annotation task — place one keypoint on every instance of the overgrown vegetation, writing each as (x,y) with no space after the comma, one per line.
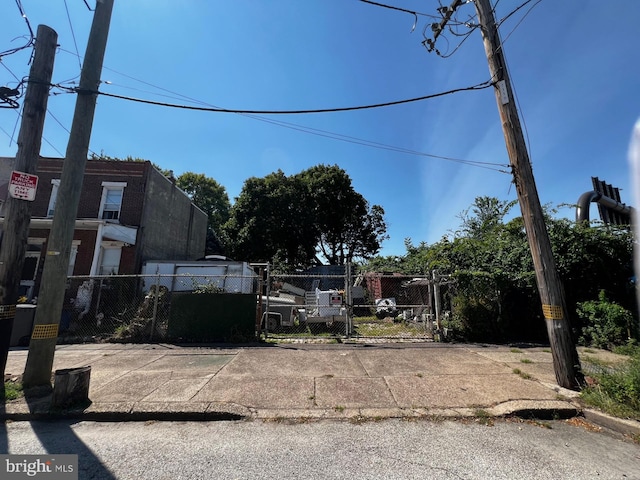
(12,390)
(605,324)
(615,389)
(494,296)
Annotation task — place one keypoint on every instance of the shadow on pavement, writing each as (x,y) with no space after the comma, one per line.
(58,437)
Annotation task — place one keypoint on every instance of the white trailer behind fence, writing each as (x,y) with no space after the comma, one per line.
(185,276)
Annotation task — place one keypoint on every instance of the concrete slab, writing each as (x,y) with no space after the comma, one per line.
(131,387)
(539,371)
(354,392)
(124,361)
(384,362)
(110,408)
(176,390)
(100,378)
(506,356)
(259,392)
(169,407)
(434,361)
(446,391)
(174,363)
(74,360)
(272,362)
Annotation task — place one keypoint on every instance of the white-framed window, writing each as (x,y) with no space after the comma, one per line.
(55,184)
(110,260)
(111,202)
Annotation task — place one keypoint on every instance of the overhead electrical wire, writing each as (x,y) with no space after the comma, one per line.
(310,130)
(499,167)
(31,39)
(479,86)
(73,34)
(504,40)
(392,7)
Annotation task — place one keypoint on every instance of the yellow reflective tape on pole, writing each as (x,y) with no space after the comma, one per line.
(41,332)
(552,312)
(7,311)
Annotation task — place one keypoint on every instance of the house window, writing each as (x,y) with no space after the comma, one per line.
(55,184)
(111,203)
(110,261)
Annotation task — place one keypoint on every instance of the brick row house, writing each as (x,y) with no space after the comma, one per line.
(129,213)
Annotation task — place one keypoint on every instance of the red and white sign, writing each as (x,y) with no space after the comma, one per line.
(23,186)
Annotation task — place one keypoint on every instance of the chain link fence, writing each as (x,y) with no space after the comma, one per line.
(135,308)
(306,305)
(366,306)
(394,306)
(313,305)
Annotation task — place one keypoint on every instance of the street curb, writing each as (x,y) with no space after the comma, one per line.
(620,425)
(131,412)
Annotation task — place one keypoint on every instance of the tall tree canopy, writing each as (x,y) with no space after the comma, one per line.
(300,218)
(208,195)
(211,198)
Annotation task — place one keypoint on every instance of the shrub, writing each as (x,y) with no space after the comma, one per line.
(617,389)
(606,324)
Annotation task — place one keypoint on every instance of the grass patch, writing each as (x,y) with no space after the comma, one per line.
(483,417)
(589,350)
(522,374)
(616,390)
(382,328)
(339,408)
(12,390)
(515,350)
(525,360)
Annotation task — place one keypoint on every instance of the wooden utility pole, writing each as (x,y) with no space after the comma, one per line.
(17,211)
(565,356)
(45,333)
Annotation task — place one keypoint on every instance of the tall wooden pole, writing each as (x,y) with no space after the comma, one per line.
(18,211)
(566,363)
(43,340)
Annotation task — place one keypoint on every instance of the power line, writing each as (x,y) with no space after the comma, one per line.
(503,19)
(479,86)
(31,39)
(73,34)
(311,130)
(391,7)
(519,21)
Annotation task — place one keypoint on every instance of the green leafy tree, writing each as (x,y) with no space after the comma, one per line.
(270,219)
(212,199)
(208,195)
(348,227)
(295,219)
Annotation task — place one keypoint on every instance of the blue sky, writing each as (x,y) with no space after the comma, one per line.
(575,66)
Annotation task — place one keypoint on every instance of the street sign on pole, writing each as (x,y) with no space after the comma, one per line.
(23,186)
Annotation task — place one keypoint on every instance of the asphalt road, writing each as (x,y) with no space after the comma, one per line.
(390,449)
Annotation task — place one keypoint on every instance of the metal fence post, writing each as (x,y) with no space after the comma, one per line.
(348,298)
(155,308)
(99,295)
(436,298)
